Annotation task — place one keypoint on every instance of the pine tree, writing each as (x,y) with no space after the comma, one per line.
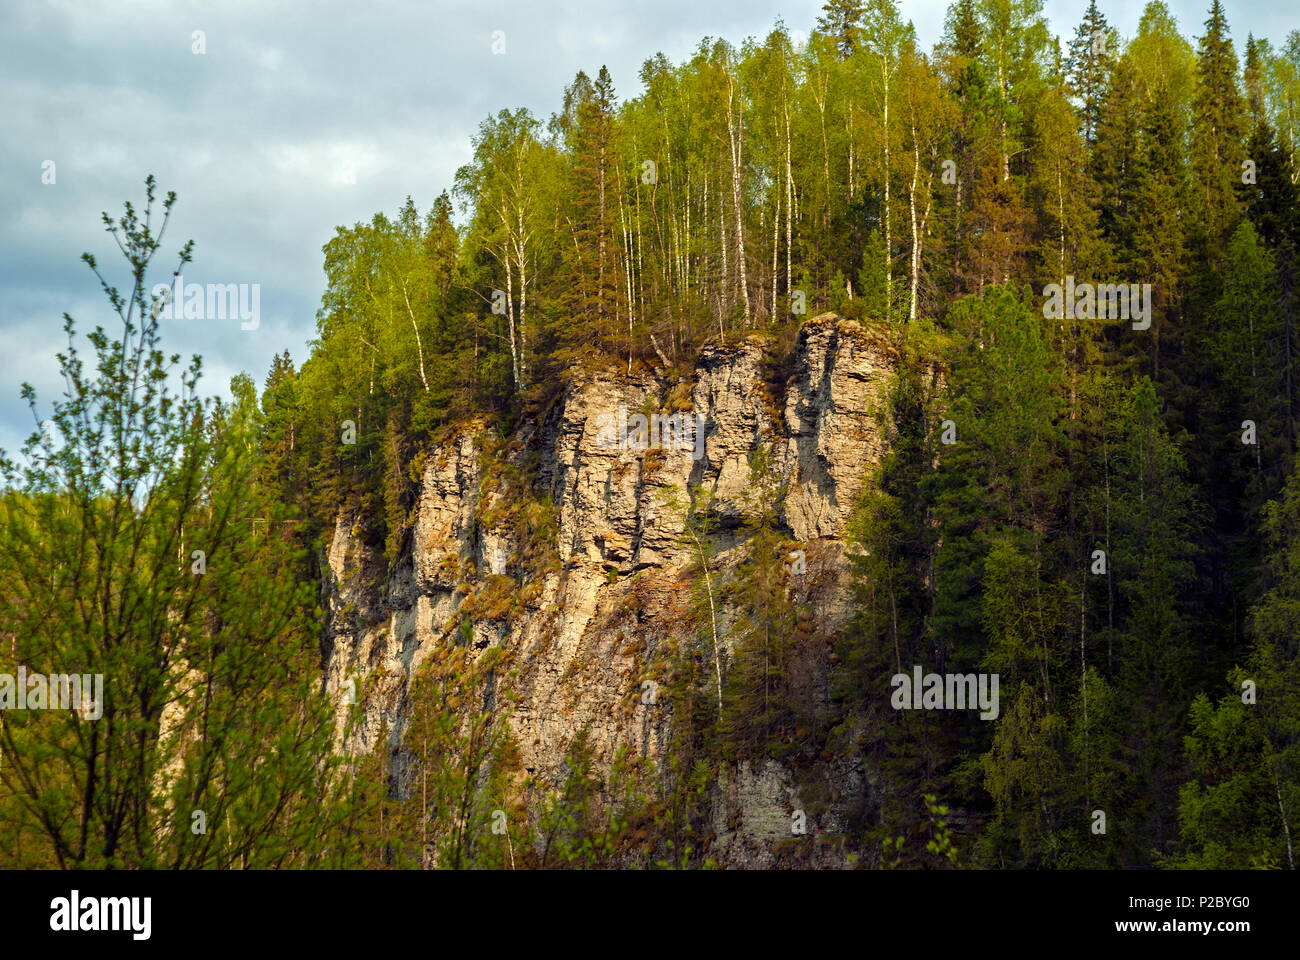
(1117,162)
(842,19)
(590,137)
(1248,349)
(1218,134)
(1155,662)
(1273,661)
(1092,57)
(758,706)
(1227,813)
(1273,205)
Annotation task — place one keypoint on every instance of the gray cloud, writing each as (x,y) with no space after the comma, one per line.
(297,119)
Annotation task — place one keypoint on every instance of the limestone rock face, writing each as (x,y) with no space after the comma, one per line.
(615,589)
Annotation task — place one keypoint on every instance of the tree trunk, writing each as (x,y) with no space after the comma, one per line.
(627,274)
(776,248)
(510,322)
(889,238)
(734,138)
(789,189)
(419,345)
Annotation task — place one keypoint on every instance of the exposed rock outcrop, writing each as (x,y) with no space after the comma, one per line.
(615,588)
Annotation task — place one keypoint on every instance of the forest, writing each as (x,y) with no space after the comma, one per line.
(1116,533)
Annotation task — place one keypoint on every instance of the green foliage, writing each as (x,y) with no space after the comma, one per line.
(589,822)
(1229,813)
(140,548)
(928,196)
(758,712)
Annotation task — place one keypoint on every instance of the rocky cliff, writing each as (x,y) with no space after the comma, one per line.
(597,576)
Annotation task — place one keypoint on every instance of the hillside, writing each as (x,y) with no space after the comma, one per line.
(835,454)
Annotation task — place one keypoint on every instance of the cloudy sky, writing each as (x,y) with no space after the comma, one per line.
(301,117)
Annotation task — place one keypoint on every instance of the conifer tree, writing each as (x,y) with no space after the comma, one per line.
(1092,57)
(842,19)
(1218,133)
(758,705)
